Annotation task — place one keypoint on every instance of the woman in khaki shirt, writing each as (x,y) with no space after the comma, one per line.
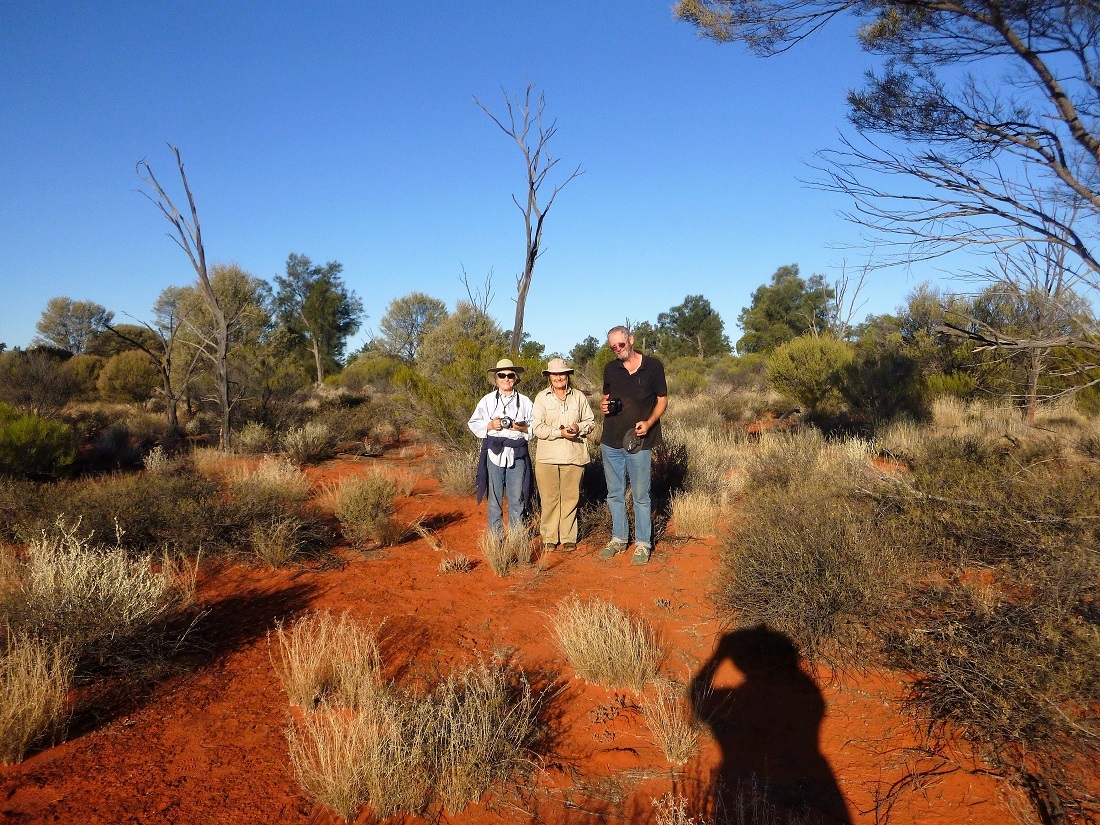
(561,421)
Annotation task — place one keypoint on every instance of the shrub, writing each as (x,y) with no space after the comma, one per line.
(365,507)
(35,677)
(253,438)
(810,370)
(309,444)
(605,644)
(84,372)
(275,485)
(30,445)
(813,567)
(34,382)
(130,377)
(94,598)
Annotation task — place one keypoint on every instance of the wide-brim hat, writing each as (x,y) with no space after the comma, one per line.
(503,364)
(557,366)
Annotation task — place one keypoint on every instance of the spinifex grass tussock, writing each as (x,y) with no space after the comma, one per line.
(714,455)
(104,604)
(323,658)
(457,472)
(814,567)
(365,506)
(274,484)
(309,444)
(278,540)
(670,722)
(696,514)
(402,750)
(210,462)
(35,676)
(605,644)
(783,460)
(507,548)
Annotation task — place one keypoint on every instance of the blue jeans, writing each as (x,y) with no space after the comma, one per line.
(618,465)
(506,482)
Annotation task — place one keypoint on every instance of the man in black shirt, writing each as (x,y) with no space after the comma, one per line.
(634,399)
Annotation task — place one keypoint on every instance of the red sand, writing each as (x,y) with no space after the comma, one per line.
(208,746)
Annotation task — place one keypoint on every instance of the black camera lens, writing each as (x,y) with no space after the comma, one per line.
(614,406)
(505,422)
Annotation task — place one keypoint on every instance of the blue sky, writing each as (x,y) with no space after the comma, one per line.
(346,131)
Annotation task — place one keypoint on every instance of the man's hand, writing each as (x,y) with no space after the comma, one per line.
(641,429)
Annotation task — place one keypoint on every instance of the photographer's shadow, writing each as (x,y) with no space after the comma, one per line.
(767,727)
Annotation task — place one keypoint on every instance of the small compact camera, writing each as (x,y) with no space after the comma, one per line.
(614,406)
(505,422)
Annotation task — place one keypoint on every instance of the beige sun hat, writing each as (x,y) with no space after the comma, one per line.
(557,366)
(504,364)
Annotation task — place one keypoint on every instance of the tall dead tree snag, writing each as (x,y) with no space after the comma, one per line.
(525,125)
(188,237)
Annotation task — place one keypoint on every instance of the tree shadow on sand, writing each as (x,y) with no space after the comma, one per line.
(767,727)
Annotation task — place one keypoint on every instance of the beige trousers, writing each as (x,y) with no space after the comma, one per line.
(559,492)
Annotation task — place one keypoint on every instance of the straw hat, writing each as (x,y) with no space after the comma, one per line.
(504,364)
(557,366)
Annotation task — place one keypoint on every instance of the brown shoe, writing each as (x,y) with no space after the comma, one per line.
(568,546)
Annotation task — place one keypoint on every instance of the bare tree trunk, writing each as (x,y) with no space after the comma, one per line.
(189,238)
(317,360)
(522,119)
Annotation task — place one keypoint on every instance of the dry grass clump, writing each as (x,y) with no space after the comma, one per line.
(748,803)
(210,462)
(696,514)
(457,472)
(714,455)
(323,658)
(605,644)
(783,460)
(670,722)
(399,750)
(35,676)
(309,444)
(157,460)
(278,540)
(365,506)
(507,548)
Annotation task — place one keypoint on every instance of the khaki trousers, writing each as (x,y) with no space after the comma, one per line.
(560,493)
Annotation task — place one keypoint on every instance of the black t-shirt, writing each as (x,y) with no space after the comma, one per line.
(638,392)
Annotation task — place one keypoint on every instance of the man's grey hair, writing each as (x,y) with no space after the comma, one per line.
(625,331)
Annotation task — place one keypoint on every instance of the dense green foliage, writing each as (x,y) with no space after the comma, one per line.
(30,445)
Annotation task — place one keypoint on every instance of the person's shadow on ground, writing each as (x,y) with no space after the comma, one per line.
(767,728)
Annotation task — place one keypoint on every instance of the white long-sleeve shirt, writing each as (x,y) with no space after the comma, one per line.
(516,406)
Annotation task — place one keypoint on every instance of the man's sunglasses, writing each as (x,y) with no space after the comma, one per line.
(617,347)
(511,375)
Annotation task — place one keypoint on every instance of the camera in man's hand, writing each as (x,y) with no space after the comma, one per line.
(614,406)
(505,422)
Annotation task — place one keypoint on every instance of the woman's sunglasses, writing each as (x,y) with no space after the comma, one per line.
(511,375)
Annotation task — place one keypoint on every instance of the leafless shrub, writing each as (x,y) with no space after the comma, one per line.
(322,658)
(605,644)
(670,721)
(35,676)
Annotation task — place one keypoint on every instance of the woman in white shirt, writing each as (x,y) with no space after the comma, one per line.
(502,421)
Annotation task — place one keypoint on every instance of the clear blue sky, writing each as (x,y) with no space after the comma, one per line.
(346,132)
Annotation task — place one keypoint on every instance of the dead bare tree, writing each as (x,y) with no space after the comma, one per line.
(188,237)
(525,125)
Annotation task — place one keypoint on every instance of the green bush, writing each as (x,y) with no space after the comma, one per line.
(30,445)
(810,369)
(84,371)
(130,377)
(365,508)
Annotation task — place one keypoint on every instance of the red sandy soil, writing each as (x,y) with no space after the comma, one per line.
(207,745)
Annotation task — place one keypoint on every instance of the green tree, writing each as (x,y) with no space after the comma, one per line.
(406,322)
(783,310)
(810,369)
(692,328)
(71,325)
(583,353)
(315,305)
(129,377)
